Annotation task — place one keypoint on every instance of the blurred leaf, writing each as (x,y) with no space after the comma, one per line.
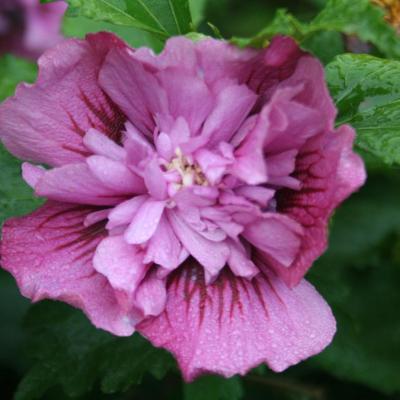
(326,45)
(360,276)
(16,196)
(197,8)
(359,17)
(214,388)
(70,352)
(163,18)
(12,308)
(366,90)
(13,71)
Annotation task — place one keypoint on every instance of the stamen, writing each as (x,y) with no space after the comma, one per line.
(190,173)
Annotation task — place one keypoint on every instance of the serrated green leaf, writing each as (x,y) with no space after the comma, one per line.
(214,388)
(360,17)
(163,18)
(366,90)
(68,351)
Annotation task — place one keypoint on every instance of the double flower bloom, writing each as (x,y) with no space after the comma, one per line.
(188,195)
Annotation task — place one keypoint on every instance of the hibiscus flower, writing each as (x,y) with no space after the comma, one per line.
(188,194)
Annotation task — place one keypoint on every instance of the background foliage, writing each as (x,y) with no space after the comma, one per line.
(50,351)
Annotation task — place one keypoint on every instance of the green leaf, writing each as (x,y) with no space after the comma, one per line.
(359,17)
(197,8)
(68,351)
(214,388)
(12,71)
(359,276)
(366,90)
(163,18)
(78,26)
(16,196)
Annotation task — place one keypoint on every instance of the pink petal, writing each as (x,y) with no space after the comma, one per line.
(75,183)
(211,255)
(178,52)
(155,180)
(240,262)
(151,295)
(276,235)
(233,104)
(32,174)
(329,172)
(45,122)
(309,72)
(274,65)
(100,144)
(188,97)
(122,264)
(258,194)
(145,222)
(133,88)
(164,247)
(234,324)
(123,213)
(115,175)
(95,217)
(50,253)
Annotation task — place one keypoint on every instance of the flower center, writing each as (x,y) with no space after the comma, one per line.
(190,173)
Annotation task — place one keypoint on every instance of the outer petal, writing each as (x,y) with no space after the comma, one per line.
(329,171)
(133,88)
(50,255)
(215,60)
(235,324)
(276,64)
(45,122)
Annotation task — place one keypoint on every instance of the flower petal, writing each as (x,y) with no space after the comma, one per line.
(75,183)
(235,324)
(122,264)
(115,175)
(133,88)
(100,144)
(164,247)
(233,104)
(211,255)
(50,253)
(151,295)
(45,122)
(145,222)
(276,235)
(329,171)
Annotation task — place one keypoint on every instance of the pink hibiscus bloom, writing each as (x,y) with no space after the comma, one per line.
(188,194)
(27,28)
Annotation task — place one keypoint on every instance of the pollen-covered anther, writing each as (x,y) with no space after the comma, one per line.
(190,172)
